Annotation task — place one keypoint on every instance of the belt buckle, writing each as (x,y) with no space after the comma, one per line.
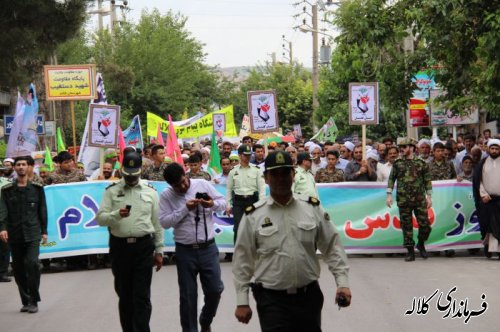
(291,291)
(131,240)
(196,246)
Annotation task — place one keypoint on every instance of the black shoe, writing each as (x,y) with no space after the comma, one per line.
(421,250)
(24,308)
(5,279)
(410,256)
(486,252)
(449,253)
(32,308)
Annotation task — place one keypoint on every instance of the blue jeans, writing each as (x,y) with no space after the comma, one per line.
(190,263)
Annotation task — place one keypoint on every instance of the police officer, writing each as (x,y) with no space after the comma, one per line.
(303,182)
(23,223)
(413,195)
(130,209)
(276,246)
(245,186)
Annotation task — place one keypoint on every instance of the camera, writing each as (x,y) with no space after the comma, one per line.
(203,196)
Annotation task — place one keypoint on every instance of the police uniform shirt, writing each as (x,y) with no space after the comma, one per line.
(174,212)
(277,246)
(304,183)
(143,218)
(245,181)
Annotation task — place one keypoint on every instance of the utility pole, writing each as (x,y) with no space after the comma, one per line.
(289,50)
(315,72)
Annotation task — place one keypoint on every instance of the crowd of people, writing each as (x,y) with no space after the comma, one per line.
(291,170)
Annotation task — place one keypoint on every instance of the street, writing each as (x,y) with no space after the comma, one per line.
(383,289)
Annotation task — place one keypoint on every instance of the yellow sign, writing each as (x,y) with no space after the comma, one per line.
(73,82)
(201,127)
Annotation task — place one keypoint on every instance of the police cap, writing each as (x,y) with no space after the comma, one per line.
(278,159)
(132,163)
(245,149)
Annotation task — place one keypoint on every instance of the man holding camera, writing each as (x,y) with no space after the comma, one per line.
(187,207)
(129,209)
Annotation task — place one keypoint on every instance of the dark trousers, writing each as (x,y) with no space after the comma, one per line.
(26,270)
(132,266)
(424,228)
(4,258)
(190,263)
(239,206)
(281,312)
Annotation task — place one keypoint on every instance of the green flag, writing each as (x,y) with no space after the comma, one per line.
(328,132)
(60,142)
(214,166)
(48,159)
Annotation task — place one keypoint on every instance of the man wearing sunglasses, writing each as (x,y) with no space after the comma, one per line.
(414,196)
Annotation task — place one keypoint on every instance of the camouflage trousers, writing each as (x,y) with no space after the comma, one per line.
(424,228)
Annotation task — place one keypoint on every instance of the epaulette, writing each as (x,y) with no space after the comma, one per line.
(36,184)
(249,209)
(111,185)
(8,185)
(313,200)
(151,186)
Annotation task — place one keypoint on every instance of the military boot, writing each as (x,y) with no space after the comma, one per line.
(410,256)
(421,250)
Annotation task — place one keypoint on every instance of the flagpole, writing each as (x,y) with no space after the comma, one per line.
(363,140)
(72,107)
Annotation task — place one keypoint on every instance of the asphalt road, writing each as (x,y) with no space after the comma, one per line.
(383,290)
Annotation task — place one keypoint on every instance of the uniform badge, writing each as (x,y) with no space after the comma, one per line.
(249,209)
(313,201)
(121,194)
(280,158)
(267,222)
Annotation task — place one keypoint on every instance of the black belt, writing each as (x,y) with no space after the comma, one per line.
(290,291)
(244,196)
(200,245)
(131,240)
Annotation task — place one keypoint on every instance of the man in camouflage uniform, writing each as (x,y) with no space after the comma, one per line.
(413,195)
(155,171)
(67,171)
(439,167)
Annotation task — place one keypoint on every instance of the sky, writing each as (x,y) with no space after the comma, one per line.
(238,32)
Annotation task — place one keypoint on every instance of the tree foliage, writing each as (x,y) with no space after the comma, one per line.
(31,31)
(460,37)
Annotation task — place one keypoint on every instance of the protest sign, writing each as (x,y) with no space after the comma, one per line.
(72,82)
(263,111)
(363,103)
(104,124)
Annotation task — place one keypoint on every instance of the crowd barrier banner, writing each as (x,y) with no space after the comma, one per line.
(358,211)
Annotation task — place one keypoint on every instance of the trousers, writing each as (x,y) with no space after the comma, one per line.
(424,227)
(132,266)
(26,270)
(204,262)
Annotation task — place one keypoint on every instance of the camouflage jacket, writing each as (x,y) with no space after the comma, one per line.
(200,175)
(61,176)
(154,173)
(325,176)
(413,178)
(442,171)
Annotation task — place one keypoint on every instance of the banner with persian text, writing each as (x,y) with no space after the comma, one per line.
(358,211)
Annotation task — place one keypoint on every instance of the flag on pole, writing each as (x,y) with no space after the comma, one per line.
(89,155)
(328,132)
(48,159)
(159,137)
(60,142)
(214,166)
(23,138)
(133,134)
(122,145)
(173,150)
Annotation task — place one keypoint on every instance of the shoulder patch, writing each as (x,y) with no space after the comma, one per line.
(8,185)
(313,200)
(249,209)
(36,184)
(111,185)
(150,186)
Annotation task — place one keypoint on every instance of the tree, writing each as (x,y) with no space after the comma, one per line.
(31,31)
